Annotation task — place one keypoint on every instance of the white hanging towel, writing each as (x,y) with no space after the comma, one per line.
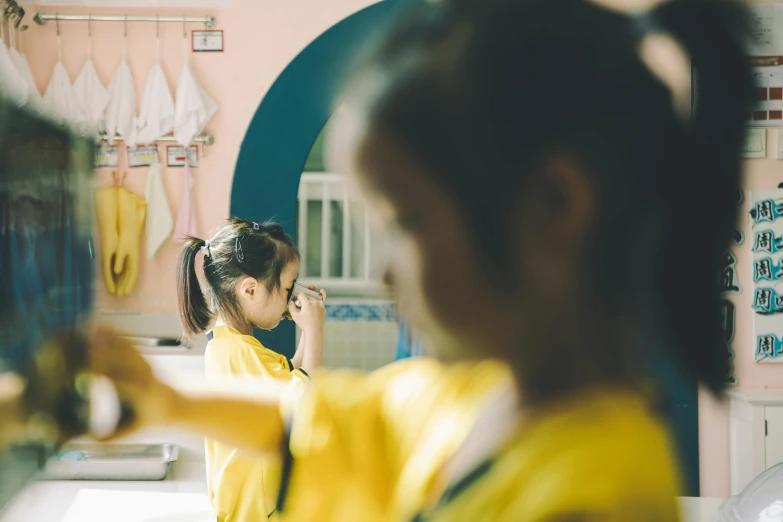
(12,84)
(34,100)
(92,98)
(121,109)
(186,215)
(159,221)
(156,118)
(59,98)
(194,107)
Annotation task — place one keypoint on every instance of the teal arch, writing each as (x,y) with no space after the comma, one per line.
(287,122)
(276,147)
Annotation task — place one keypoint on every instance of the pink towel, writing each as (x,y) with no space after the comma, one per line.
(186,216)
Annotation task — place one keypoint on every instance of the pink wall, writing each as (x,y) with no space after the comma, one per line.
(261,38)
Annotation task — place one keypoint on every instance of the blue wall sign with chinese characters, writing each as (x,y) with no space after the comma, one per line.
(767,242)
(766,210)
(765,269)
(766,301)
(768,347)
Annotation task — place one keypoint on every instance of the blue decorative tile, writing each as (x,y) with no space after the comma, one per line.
(361,312)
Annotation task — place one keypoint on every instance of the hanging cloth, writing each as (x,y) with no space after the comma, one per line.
(194,107)
(159,220)
(92,98)
(59,98)
(12,84)
(34,100)
(186,215)
(156,118)
(121,107)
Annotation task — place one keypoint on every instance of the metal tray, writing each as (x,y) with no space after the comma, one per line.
(159,345)
(112,462)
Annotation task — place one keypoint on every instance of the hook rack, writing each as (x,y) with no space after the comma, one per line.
(205,139)
(43,18)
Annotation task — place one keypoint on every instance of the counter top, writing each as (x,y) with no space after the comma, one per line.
(183,492)
(60,501)
(700,509)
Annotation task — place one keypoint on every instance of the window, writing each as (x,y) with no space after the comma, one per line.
(339,250)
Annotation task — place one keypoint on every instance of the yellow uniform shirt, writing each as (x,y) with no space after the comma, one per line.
(243,487)
(369,448)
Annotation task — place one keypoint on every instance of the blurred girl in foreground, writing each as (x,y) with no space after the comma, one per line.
(536,166)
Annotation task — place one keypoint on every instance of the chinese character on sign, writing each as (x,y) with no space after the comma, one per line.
(763,242)
(766,211)
(727,313)
(766,346)
(762,300)
(762,270)
(728,279)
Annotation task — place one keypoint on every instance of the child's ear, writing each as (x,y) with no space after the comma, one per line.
(248,287)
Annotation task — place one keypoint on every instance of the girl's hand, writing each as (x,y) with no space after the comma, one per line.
(313,313)
(149,401)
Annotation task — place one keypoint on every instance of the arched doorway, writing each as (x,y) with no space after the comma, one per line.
(286,124)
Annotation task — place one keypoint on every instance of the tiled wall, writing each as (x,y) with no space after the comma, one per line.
(359,335)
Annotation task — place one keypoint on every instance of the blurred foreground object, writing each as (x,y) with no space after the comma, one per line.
(46,291)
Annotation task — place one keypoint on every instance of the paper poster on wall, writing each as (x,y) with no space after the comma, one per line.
(766,219)
(765,49)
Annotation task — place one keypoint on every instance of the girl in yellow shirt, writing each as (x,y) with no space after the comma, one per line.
(553,205)
(249,270)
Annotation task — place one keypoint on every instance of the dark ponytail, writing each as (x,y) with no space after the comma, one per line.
(193,308)
(702,190)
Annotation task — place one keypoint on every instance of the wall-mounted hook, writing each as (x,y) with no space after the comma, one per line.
(125,29)
(157,26)
(20,12)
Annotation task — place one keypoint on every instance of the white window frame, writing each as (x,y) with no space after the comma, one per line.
(334,187)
